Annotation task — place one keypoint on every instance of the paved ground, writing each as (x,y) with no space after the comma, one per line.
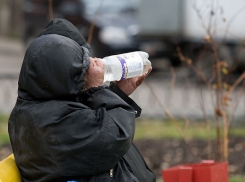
(156,95)
(11,56)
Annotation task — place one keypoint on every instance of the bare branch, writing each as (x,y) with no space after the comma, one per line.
(51,13)
(91,29)
(167,113)
(172,86)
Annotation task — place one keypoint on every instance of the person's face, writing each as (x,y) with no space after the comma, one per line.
(95,72)
(96,67)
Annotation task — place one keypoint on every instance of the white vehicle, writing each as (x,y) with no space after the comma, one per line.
(185,23)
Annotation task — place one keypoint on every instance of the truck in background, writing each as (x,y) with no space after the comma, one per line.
(167,24)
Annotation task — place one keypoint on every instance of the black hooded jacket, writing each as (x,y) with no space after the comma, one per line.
(59,133)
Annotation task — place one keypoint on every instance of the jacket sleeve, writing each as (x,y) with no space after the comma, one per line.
(90,140)
(127,99)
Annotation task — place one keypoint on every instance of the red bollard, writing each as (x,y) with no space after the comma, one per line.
(207,171)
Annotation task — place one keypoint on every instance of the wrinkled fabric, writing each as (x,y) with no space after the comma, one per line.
(54,67)
(56,134)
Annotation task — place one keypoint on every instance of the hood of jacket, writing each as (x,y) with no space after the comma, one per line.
(54,66)
(67,29)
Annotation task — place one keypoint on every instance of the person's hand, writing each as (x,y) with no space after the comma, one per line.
(95,73)
(129,85)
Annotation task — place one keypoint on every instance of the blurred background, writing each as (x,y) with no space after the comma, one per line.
(197,52)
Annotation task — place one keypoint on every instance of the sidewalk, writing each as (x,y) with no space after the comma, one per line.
(11,57)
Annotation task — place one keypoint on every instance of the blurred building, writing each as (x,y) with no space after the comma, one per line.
(11,18)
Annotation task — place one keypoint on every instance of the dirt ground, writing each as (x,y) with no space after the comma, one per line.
(164,153)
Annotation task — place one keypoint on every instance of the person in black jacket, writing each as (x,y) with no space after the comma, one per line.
(66,125)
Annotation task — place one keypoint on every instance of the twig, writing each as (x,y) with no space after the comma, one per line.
(236,83)
(187,123)
(225,135)
(172,86)
(51,13)
(209,148)
(231,118)
(167,113)
(91,29)
(232,19)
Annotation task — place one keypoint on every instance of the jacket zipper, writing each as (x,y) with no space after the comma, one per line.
(111,173)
